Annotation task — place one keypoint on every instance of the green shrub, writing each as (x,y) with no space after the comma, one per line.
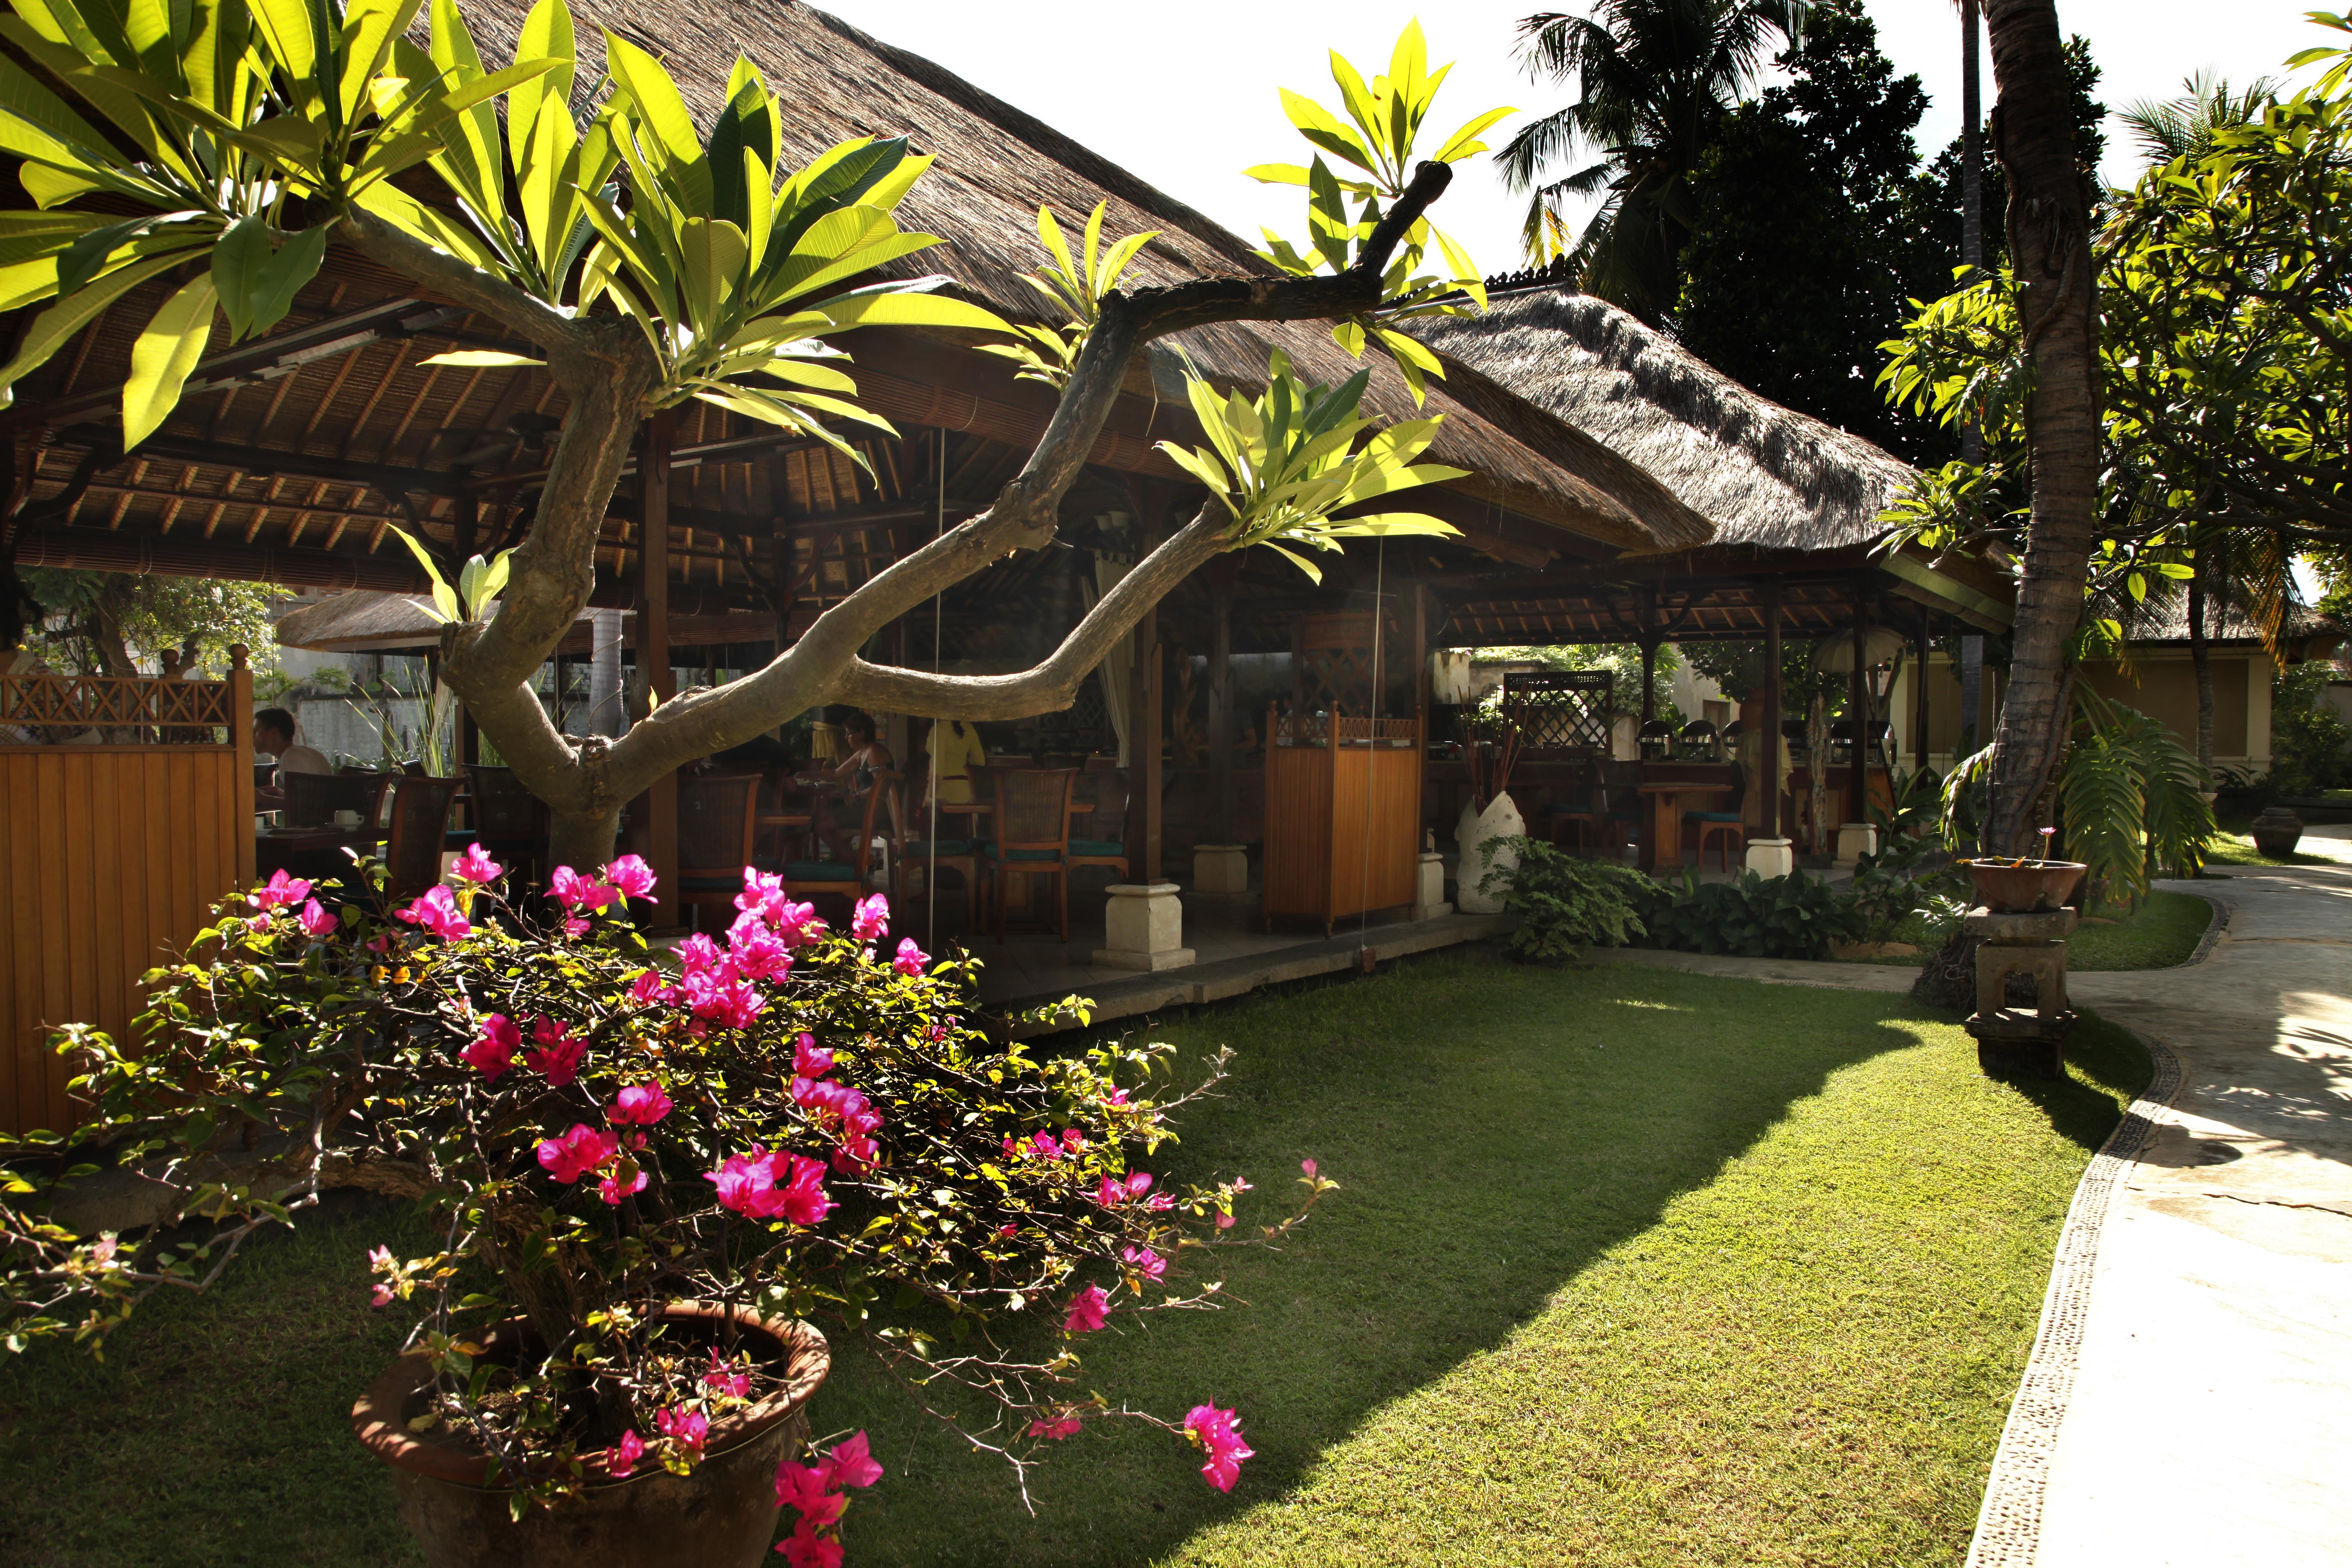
(1785,917)
(1564,903)
(2311,745)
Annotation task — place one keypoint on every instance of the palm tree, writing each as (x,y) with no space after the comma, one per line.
(2183,127)
(1654,78)
(1972,252)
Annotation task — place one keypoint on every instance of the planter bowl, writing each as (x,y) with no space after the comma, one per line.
(2036,885)
(2276,832)
(721,1516)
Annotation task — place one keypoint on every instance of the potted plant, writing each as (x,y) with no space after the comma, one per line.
(2019,885)
(1490,826)
(660,1182)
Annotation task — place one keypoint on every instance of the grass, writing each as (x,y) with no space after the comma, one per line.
(2163,932)
(2233,845)
(1629,1267)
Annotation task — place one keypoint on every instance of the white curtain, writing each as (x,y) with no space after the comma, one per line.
(1118,667)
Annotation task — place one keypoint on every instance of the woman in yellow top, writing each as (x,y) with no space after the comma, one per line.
(955,752)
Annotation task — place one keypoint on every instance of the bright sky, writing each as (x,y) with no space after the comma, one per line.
(1186,99)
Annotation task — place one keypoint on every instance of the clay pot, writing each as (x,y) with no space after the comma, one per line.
(2023,890)
(721,1516)
(2277,831)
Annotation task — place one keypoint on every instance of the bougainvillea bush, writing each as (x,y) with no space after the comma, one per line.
(794,1118)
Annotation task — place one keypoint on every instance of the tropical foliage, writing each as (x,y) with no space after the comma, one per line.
(1071,283)
(1793,916)
(117,624)
(1564,904)
(2131,801)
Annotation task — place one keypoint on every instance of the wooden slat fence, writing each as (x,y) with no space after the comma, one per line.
(112,854)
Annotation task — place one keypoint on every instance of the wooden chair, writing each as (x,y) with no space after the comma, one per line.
(960,855)
(1030,835)
(844,879)
(1109,816)
(1612,811)
(509,821)
(420,825)
(714,838)
(1727,826)
(313,799)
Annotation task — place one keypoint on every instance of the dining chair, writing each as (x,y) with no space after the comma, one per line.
(420,825)
(845,879)
(1030,837)
(508,820)
(1728,826)
(715,831)
(1110,799)
(959,854)
(313,799)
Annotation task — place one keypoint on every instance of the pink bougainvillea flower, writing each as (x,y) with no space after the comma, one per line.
(1115,1096)
(558,1053)
(911,959)
(380,1261)
(853,1464)
(641,1105)
(632,876)
(784,1185)
(689,1429)
(494,1050)
(1110,1192)
(617,1186)
(697,954)
(1219,1433)
(1045,1146)
(763,892)
(1074,1140)
(436,910)
(1308,1166)
(316,922)
(800,1486)
(475,866)
(797,925)
(576,892)
(1225,1221)
(574,927)
(871,918)
(621,1458)
(577,1153)
(725,1377)
(649,988)
(758,954)
(804,1548)
(809,1059)
(1089,1310)
(1145,1261)
(1067,1426)
(279,892)
(721,997)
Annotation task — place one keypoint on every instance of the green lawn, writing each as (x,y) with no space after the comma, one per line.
(1628,1267)
(2233,845)
(2163,932)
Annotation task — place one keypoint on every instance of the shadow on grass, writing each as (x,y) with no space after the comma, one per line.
(2112,1066)
(1495,1131)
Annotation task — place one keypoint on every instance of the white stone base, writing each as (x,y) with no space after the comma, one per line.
(1429,895)
(1143,928)
(1770,858)
(1855,839)
(1221,869)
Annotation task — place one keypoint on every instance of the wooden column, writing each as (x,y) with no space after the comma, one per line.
(1772,696)
(1919,701)
(1649,661)
(240,745)
(1858,709)
(1220,701)
(1146,722)
(653,644)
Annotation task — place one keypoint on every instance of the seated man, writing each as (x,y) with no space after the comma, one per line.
(273,734)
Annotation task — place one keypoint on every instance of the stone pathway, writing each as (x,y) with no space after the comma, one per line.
(2189,1397)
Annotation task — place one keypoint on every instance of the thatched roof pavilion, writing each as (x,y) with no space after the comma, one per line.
(1792,502)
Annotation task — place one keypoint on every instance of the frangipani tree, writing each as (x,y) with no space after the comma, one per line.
(647,264)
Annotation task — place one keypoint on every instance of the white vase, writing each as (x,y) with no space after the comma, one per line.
(1501,819)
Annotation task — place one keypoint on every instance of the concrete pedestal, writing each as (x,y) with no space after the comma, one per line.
(1770,858)
(1855,839)
(1143,928)
(1429,895)
(2016,1042)
(1221,869)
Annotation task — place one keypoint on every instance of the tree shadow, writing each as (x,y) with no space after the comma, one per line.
(1495,1132)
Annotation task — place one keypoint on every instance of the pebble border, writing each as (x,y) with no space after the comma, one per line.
(2009,1526)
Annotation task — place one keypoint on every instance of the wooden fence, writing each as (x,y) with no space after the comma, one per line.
(126,810)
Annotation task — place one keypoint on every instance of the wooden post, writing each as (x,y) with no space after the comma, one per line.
(1155,720)
(1772,696)
(1858,707)
(652,641)
(1221,702)
(240,745)
(1146,721)
(1919,703)
(1649,661)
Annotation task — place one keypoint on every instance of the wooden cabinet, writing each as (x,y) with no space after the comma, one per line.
(1342,816)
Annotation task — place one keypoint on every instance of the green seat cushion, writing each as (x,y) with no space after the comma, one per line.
(944,849)
(799,871)
(1097,846)
(1731,816)
(998,852)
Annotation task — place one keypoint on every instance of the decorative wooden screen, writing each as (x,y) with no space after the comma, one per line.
(180,711)
(1560,707)
(831,563)
(1333,668)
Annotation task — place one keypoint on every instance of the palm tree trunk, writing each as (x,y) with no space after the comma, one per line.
(2200,656)
(2049,248)
(1972,180)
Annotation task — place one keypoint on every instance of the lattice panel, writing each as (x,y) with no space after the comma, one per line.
(1335,659)
(1558,707)
(82,702)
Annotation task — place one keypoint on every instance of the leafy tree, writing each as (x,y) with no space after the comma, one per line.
(1654,78)
(648,265)
(1800,260)
(122,624)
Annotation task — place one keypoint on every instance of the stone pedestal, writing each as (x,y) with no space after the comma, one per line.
(1429,894)
(1143,928)
(1770,858)
(2015,1041)
(1221,869)
(1855,839)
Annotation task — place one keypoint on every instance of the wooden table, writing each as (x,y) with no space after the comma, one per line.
(284,848)
(1663,841)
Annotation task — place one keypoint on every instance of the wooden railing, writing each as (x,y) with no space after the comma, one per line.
(126,812)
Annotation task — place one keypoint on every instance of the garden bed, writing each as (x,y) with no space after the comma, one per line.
(1628,1267)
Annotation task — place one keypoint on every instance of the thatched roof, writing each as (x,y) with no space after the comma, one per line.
(997,164)
(1763,475)
(2165,619)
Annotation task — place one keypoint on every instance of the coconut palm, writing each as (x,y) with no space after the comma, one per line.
(2183,127)
(1654,78)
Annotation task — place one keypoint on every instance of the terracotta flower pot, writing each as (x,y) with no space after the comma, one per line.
(721,1516)
(2011,888)
(2276,832)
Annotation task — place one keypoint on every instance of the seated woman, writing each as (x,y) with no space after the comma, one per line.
(844,814)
